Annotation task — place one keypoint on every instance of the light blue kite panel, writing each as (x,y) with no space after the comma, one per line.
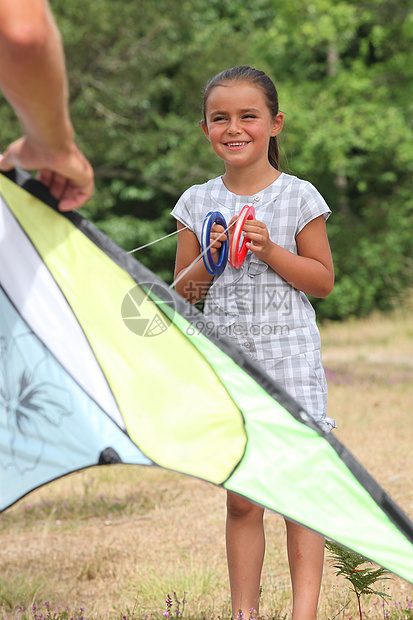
(49,426)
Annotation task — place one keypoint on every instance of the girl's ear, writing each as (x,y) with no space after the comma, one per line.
(277,124)
(204,128)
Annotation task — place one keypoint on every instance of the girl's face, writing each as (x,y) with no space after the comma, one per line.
(239,124)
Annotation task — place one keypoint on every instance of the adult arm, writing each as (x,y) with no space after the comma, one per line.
(33,80)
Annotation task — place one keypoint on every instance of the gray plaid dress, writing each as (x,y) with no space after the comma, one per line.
(253,305)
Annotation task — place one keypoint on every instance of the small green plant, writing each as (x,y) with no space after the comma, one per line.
(349,564)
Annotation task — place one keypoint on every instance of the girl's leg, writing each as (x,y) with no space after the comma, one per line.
(306,558)
(245,554)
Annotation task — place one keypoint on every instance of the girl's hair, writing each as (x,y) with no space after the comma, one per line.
(261,80)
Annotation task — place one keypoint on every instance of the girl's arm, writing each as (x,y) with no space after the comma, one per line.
(195,282)
(311,271)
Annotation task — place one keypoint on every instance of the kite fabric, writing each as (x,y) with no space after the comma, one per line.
(101,363)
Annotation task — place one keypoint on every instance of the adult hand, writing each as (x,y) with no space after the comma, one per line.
(68,175)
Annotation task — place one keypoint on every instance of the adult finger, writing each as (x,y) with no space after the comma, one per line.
(6,162)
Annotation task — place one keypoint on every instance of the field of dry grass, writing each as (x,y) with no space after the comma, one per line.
(135,534)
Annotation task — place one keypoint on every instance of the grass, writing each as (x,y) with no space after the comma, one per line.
(175,609)
(114,542)
(75,506)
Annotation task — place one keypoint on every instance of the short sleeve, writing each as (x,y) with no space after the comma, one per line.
(312,205)
(182,211)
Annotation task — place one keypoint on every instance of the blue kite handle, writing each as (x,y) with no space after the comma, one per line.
(213,217)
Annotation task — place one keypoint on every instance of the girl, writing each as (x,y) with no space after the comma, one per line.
(263,304)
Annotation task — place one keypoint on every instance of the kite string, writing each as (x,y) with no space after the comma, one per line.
(155,241)
(198,258)
(175,232)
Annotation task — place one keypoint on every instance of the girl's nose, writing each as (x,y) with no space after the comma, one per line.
(233,127)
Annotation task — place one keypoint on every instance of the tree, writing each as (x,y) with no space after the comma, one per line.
(137,73)
(347,94)
(344,74)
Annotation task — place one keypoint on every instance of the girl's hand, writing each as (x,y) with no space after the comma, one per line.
(259,238)
(217,237)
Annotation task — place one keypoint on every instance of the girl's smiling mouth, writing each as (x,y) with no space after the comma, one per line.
(235,145)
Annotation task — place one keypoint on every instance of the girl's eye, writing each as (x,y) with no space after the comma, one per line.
(218,118)
(249,116)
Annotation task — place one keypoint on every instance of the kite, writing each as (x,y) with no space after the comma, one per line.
(101,363)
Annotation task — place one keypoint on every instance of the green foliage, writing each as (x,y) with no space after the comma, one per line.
(344,71)
(349,564)
(349,131)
